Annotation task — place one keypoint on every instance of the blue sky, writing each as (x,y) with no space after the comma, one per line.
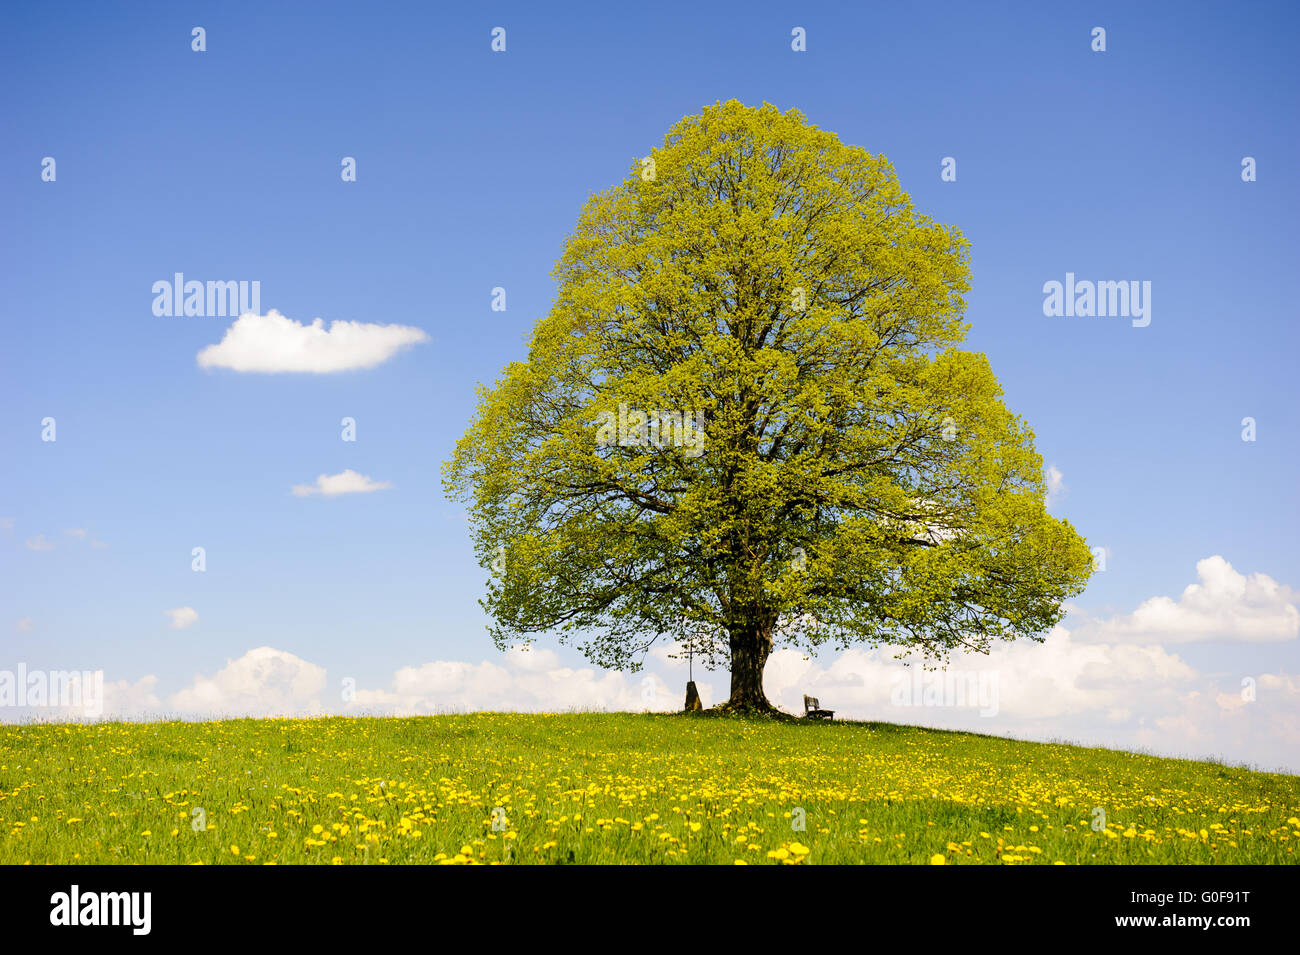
(471,168)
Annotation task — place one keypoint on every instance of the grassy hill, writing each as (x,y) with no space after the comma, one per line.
(591,787)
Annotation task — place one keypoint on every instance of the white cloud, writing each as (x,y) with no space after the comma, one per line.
(7,523)
(270,682)
(123,699)
(24,625)
(1221,721)
(348,482)
(1120,696)
(182,617)
(1055,484)
(1035,683)
(263,682)
(532,659)
(273,343)
(76,532)
(525,680)
(39,543)
(1225,605)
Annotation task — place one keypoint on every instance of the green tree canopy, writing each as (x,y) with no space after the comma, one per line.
(744,423)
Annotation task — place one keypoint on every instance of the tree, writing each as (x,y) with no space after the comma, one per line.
(744,423)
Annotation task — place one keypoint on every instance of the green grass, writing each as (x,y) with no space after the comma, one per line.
(615,788)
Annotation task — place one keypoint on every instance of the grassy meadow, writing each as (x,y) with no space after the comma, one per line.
(614,788)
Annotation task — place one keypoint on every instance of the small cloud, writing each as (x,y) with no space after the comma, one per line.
(39,543)
(76,532)
(6,523)
(99,544)
(348,482)
(1055,484)
(182,617)
(24,625)
(272,343)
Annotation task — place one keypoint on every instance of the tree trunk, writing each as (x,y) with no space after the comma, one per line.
(750,648)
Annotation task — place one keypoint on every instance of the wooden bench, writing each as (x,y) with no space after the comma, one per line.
(812,709)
